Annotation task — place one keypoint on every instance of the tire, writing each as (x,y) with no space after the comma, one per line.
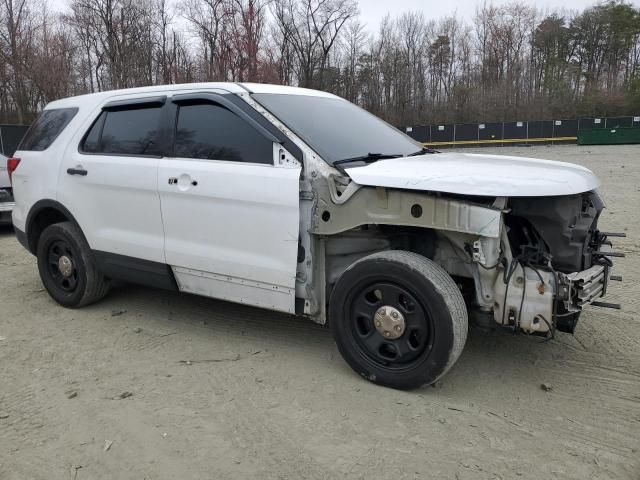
(430,323)
(77,281)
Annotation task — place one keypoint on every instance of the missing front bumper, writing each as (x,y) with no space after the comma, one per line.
(579,289)
(582,288)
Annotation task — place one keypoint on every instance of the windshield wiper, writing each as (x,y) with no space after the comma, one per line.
(368,158)
(423,152)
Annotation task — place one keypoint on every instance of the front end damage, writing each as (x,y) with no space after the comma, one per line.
(531,264)
(553,262)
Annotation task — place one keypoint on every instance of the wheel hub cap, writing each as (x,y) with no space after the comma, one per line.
(389,322)
(65,266)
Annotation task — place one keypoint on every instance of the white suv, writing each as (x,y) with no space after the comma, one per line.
(298,201)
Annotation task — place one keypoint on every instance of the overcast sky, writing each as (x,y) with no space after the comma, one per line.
(371,11)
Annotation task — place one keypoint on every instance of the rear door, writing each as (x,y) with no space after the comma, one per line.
(109,179)
(230,213)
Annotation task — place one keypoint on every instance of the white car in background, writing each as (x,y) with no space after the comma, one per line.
(6,196)
(298,201)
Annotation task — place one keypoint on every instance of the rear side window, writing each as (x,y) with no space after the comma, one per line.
(46,128)
(125,132)
(210,131)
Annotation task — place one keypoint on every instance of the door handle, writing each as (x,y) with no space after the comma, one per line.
(77,171)
(174,181)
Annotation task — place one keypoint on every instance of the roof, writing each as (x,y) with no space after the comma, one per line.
(231,87)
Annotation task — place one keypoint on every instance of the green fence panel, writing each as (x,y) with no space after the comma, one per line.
(609,136)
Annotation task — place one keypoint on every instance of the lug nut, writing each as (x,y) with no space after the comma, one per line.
(397,328)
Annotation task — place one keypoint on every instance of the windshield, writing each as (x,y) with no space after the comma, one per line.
(336,129)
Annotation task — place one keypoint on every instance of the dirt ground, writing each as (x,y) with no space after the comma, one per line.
(154,385)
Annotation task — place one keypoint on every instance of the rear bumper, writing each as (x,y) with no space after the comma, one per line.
(6,205)
(5,212)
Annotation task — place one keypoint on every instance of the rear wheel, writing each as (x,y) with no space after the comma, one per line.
(398,319)
(67,268)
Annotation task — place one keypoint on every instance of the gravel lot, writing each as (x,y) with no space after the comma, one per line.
(155,385)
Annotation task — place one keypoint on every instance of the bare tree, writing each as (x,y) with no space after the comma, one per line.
(207,18)
(16,43)
(509,63)
(312,27)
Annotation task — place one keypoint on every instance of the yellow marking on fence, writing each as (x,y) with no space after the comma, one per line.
(506,140)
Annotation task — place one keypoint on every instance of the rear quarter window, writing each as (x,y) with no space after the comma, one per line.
(46,128)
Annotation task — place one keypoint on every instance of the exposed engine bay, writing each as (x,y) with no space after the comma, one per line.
(559,262)
(548,261)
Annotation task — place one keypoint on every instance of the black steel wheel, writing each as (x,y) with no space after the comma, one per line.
(398,319)
(62,266)
(67,267)
(389,324)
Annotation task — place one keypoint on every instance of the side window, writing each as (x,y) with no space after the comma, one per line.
(131,131)
(92,139)
(210,131)
(46,128)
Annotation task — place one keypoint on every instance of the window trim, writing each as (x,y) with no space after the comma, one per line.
(123,105)
(142,102)
(217,99)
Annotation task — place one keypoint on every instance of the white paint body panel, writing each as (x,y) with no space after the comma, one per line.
(477,174)
(235,234)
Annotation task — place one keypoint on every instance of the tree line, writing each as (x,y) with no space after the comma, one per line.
(507,62)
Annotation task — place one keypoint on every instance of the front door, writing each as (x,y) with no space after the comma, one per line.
(230,214)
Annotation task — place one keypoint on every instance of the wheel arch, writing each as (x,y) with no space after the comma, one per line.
(42,214)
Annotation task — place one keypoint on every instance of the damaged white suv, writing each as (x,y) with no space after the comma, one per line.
(298,201)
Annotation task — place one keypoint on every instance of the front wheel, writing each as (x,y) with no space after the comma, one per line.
(398,319)
(67,267)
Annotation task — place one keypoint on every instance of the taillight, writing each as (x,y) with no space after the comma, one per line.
(12,164)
